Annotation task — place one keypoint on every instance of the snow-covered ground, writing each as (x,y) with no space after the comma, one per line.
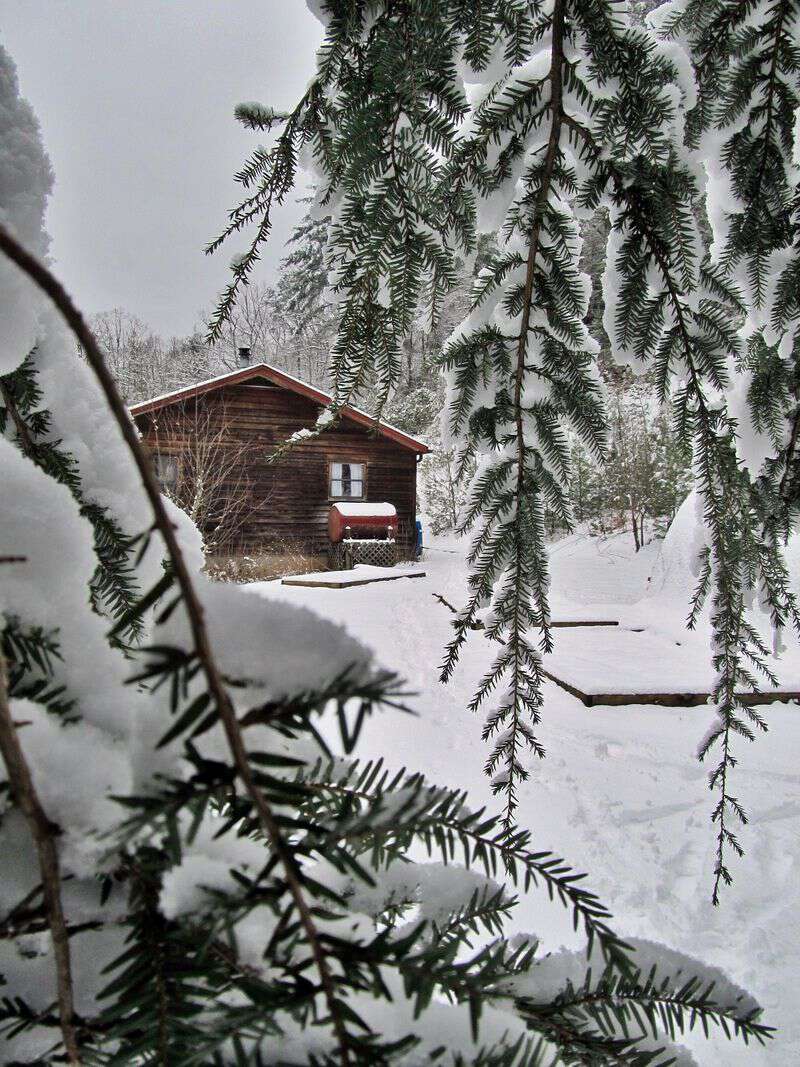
(620,794)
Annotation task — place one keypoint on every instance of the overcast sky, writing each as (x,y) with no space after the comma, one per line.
(135,100)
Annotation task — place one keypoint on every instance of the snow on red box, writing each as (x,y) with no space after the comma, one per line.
(361,521)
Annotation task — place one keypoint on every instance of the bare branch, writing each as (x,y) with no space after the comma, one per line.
(212,483)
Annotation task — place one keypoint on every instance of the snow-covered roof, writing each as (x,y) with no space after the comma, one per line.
(383,511)
(287,381)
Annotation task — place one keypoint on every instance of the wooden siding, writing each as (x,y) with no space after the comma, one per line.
(288,499)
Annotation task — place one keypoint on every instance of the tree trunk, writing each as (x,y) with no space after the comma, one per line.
(452,494)
(408,344)
(635,526)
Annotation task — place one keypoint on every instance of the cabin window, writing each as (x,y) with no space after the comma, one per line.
(347,481)
(166,471)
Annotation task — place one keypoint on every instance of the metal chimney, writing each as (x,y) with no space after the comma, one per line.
(244,355)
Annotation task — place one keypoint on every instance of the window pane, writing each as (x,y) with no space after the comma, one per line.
(166,470)
(347,480)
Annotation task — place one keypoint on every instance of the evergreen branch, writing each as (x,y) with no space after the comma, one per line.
(20,909)
(44,833)
(715,469)
(113,585)
(437,817)
(513,769)
(278,167)
(23,433)
(721,482)
(755,193)
(789,460)
(616,999)
(194,610)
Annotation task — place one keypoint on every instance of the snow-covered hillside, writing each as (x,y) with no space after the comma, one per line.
(621,793)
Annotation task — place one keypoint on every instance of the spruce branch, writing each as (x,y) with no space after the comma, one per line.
(275,170)
(726,491)
(439,819)
(195,613)
(789,460)
(44,834)
(23,907)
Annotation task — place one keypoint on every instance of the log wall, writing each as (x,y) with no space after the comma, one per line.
(287,500)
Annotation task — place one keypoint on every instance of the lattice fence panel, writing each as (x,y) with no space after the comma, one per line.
(345,555)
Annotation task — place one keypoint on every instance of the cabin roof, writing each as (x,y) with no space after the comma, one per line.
(286,381)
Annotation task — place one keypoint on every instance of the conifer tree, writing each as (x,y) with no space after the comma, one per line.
(232,933)
(304,278)
(199,878)
(573,108)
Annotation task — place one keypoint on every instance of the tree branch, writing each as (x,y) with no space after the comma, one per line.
(23,433)
(548,168)
(194,610)
(44,833)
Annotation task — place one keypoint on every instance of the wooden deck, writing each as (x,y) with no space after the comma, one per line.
(363,575)
(622,667)
(666,700)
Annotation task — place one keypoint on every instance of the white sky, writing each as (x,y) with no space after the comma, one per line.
(135,99)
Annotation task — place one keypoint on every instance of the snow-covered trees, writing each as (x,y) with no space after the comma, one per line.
(194,868)
(143,364)
(426,123)
(645,474)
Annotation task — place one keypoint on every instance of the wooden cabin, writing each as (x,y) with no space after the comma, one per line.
(213,446)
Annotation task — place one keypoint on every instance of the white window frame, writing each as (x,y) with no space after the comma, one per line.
(336,475)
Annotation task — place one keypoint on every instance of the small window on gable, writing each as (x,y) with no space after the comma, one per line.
(347,481)
(166,471)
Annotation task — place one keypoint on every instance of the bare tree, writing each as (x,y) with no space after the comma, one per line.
(206,470)
(266,320)
(143,364)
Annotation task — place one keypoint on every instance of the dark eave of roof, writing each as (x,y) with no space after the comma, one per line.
(286,381)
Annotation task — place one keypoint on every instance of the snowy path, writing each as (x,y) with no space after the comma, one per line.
(620,794)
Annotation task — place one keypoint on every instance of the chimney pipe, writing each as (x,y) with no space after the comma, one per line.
(244,355)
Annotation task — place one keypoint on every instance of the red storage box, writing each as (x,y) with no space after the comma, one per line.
(364,521)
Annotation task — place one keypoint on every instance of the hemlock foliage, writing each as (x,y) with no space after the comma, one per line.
(207,945)
(572,109)
(367,925)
